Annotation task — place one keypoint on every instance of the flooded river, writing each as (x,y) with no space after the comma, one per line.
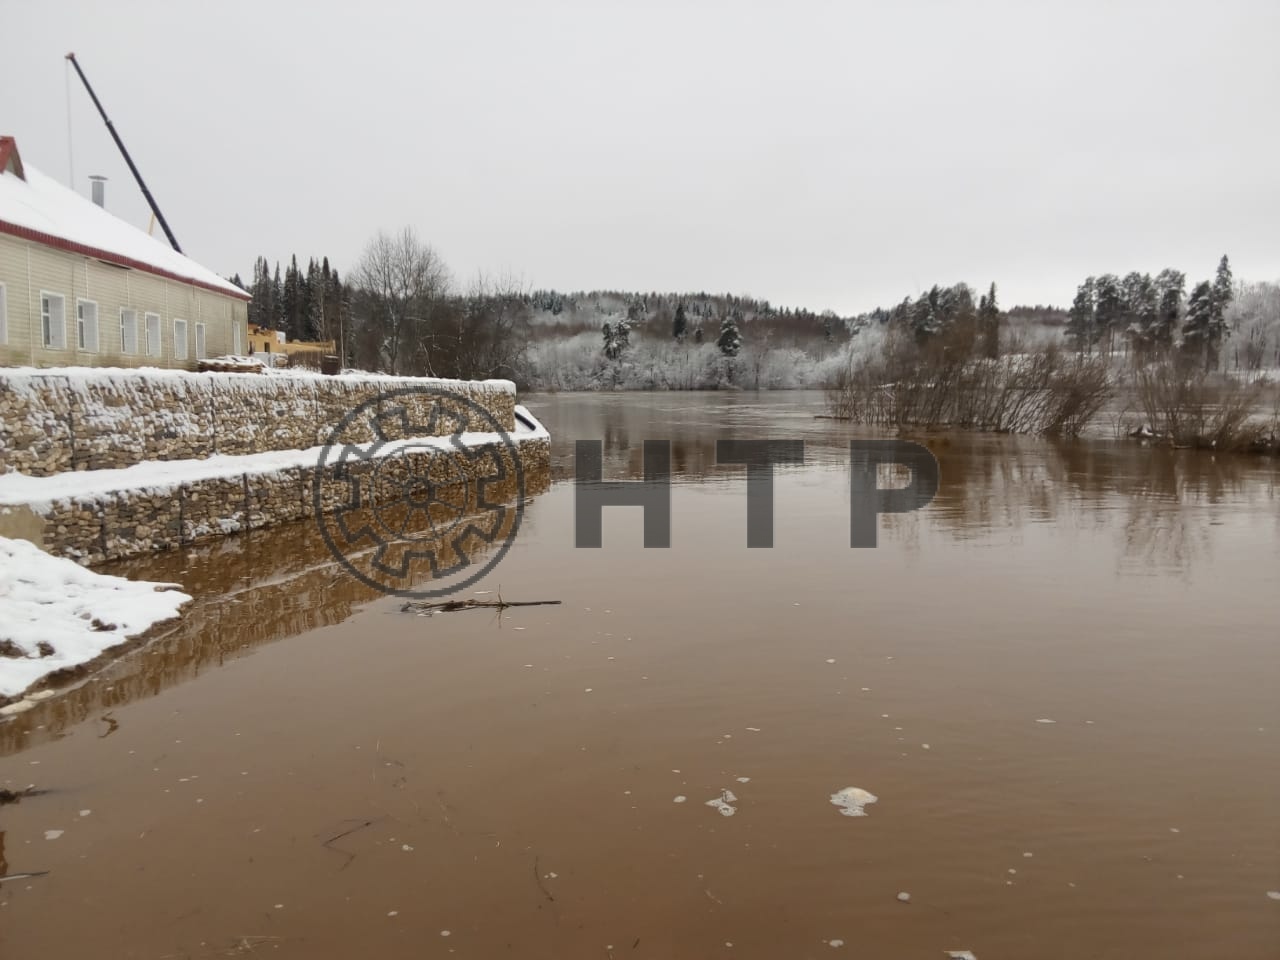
(1060,681)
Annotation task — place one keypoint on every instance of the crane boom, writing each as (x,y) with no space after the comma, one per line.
(164,225)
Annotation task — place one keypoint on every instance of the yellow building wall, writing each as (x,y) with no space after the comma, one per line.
(28,269)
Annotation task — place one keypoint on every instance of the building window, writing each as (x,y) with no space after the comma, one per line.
(53,320)
(128,331)
(4,316)
(87,325)
(200,354)
(179,339)
(153,334)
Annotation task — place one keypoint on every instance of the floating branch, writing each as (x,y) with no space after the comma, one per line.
(453,606)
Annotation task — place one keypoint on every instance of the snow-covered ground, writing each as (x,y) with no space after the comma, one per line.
(57,614)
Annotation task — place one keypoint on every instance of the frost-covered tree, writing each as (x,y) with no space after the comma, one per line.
(617,337)
(730,339)
(1223,294)
(1197,331)
(1140,310)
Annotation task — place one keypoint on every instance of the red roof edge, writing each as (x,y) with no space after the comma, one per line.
(49,240)
(9,158)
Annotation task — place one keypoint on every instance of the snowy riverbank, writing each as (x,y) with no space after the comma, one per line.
(58,615)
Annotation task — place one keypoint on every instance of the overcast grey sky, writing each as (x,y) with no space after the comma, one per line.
(836,155)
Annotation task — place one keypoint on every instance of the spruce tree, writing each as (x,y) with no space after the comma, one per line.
(989,322)
(1108,309)
(277,301)
(1223,293)
(1081,325)
(679,325)
(730,339)
(1171,285)
(1197,331)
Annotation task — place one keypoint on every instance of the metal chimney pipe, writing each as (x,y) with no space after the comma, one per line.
(99,190)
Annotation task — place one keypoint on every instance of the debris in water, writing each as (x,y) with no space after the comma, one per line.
(1273,894)
(960,955)
(852,801)
(453,606)
(1028,855)
(1174,830)
(834,943)
(831,659)
(24,876)
(754,729)
(722,803)
(744,779)
(85,813)
(1046,720)
(392,913)
(444,933)
(53,834)
(904,897)
(680,799)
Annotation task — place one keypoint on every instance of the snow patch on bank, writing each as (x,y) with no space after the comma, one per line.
(51,603)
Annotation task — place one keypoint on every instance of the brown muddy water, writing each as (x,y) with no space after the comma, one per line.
(300,769)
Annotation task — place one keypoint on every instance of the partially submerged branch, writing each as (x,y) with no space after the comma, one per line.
(453,606)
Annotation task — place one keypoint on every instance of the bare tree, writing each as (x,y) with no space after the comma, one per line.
(399,283)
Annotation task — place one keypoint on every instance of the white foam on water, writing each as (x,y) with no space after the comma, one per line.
(852,801)
(961,955)
(53,834)
(680,799)
(904,897)
(1046,720)
(834,943)
(743,779)
(1273,894)
(722,803)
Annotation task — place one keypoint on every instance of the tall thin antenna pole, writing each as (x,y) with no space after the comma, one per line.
(127,159)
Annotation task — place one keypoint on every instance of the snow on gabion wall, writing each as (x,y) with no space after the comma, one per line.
(86,419)
(129,523)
